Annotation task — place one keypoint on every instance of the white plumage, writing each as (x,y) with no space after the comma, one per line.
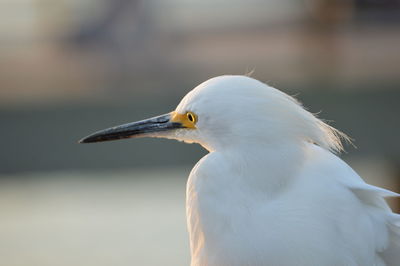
(271,191)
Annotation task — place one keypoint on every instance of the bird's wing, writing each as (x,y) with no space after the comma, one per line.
(384,224)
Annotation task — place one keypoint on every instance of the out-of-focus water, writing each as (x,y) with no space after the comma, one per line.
(112,218)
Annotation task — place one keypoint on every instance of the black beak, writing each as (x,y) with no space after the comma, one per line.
(134,129)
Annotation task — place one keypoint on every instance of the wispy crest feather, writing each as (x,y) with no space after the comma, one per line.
(333,137)
(319,132)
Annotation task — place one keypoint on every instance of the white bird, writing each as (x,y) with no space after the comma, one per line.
(271,190)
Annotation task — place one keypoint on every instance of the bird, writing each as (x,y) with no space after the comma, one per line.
(272,189)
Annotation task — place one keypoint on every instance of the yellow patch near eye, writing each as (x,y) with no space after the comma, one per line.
(188,120)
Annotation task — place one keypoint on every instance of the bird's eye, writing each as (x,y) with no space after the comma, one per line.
(191,117)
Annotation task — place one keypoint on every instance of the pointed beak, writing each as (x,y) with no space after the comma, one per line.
(135,129)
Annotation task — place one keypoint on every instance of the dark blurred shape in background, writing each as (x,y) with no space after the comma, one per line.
(69,68)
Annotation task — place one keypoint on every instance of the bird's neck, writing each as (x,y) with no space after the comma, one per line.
(229,186)
(266,169)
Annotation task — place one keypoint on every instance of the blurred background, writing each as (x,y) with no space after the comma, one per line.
(69,67)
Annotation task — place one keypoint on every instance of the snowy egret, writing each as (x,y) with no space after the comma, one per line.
(271,190)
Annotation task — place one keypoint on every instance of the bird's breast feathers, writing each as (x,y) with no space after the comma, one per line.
(326,215)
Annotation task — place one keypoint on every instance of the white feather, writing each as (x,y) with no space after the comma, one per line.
(271,192)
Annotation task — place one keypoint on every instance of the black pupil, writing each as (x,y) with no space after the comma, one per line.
(190,117)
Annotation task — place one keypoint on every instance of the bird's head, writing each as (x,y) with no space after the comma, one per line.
(231,110)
